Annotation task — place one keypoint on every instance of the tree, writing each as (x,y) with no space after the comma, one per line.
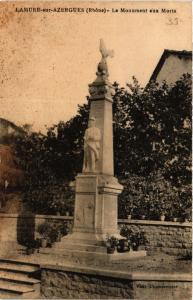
(152,135)
(50,162)
(150,127)
(154,127)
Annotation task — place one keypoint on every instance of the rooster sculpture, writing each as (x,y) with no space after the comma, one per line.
(103,50)
(102,66)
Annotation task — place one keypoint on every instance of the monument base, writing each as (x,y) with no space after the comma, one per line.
(88,255)
(95,214)
(95,222)
(85,249)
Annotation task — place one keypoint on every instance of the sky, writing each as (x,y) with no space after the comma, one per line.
(48,59)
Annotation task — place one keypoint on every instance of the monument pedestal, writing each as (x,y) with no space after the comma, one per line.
(95,212)
(95,220)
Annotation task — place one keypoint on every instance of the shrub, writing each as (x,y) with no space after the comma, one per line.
(135,237)
(53,230)
(152,196)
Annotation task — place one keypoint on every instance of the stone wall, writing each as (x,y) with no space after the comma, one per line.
(24,228)
(168,237)
(173,238)
(84,283)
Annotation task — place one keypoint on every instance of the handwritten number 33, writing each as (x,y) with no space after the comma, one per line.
(172,21)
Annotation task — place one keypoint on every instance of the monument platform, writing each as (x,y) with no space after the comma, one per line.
(88,252)
(99,255)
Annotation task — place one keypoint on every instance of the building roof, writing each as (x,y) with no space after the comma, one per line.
(165,55)
(11,124)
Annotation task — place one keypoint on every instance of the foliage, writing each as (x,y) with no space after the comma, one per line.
(135,237)
(123,245)
(51,197)
(112,242)
(50,162)
(152,196)
(44,229)
(58,230)
(53,230)
(153,127)
(152,148)
(9,171)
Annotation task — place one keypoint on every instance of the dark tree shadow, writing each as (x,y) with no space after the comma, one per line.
(25,228)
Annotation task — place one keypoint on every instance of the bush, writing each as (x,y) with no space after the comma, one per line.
(152,196)
(50,198)
(135,237)
(53,230)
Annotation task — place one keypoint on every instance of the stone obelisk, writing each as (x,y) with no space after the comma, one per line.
(96,188)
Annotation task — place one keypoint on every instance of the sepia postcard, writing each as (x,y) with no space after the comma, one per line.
(95,150)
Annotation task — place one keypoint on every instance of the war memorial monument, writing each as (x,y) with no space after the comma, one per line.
(96,188)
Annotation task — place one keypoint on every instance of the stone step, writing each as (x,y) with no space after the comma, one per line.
(84,240)
(18,262)
(80,247)
(17,266)
(18,277)
(15,287)
(86,257)
(9,295)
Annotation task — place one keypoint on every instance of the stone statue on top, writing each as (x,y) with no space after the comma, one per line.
(102,66)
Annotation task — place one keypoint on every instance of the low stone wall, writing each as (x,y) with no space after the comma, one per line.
(23,228)
(169,237)
(173,238)
(87,283)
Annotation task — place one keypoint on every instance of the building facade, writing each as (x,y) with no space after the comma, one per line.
(172,65)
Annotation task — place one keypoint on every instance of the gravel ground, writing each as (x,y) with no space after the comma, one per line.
(159,263)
